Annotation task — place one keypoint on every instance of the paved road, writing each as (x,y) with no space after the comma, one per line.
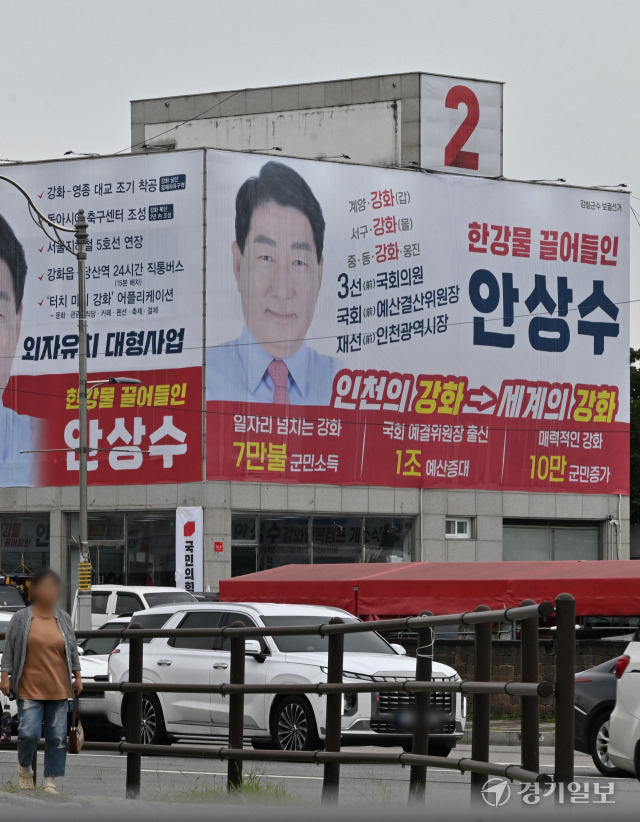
(165,779)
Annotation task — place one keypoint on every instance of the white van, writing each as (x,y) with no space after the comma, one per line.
(110,601)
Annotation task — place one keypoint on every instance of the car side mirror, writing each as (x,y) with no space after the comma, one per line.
(80,650)
(399,649)
(252,647)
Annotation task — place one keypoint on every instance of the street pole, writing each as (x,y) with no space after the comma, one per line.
(84,564)
(53,231)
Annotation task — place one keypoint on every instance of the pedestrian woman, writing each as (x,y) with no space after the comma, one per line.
(41,665)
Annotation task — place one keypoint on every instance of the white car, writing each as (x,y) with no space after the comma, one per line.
(110,601)
(94,658)
(624,725)
(5,702)
(290,722)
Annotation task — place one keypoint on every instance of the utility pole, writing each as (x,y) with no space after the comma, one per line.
(84,563)
(80,231)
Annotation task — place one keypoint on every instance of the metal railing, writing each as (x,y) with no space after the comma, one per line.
(530,690)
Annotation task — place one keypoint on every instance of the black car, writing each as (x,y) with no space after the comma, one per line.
(595,697)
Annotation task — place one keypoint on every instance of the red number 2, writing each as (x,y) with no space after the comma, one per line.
(453,154)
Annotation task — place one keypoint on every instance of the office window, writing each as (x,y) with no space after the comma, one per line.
(527,540)
(458,527)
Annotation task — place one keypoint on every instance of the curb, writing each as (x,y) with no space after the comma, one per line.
(500,737)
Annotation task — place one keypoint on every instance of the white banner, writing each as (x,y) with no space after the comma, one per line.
(377,326)
(144,293)
(189,548)
(461,126)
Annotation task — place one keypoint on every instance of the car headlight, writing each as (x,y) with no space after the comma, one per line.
(353,675)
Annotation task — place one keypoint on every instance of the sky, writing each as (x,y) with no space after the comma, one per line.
(69,70)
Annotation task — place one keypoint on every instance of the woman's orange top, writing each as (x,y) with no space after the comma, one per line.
(46,673)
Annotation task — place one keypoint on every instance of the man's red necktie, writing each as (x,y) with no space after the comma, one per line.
(279,373)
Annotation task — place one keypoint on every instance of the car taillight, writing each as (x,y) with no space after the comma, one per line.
(115,651)
(621,665)
(583,679)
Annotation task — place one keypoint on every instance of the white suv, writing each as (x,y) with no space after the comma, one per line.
(295,722)
(111,601)
(624,725)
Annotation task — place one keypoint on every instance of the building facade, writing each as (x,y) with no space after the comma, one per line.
(249,526)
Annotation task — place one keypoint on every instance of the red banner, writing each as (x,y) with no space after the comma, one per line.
(147,433)
(416,450)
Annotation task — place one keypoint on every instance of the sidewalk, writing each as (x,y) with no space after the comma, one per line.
(507,732)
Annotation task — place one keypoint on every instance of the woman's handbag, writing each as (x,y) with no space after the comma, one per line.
(5,722)
(76,734)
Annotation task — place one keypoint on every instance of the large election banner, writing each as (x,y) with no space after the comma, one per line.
(384,327)
(144,306)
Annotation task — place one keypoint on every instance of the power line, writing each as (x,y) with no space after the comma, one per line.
(182,123)
(237,344)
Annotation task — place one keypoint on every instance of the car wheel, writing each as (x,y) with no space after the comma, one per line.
(293,725)
(599,747)
(153,727)
(435,749)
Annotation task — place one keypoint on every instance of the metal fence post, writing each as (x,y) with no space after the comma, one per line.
(565,684)
(133,724)
(481,702)
(530,705)
(420,742)
(333,734)
(236,708)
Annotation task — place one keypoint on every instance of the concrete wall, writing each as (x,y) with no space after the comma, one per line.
(370,132)
(219,499)
(362,98)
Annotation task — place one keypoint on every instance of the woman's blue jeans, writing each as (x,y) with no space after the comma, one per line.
(52,714)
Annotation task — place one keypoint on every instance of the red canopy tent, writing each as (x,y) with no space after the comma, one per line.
(610,588)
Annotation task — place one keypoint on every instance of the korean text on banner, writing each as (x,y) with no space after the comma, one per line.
(381,327)
(189,548)
(144,277)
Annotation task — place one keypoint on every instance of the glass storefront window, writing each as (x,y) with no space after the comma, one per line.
(243,529)
(24,543)
(337,540)
(260,542)
(133,548)
(283,541)
(388,539)
(151,549)
(106,547)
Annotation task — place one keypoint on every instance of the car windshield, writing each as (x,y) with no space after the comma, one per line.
(366,643)
(102,645)
(168,598)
